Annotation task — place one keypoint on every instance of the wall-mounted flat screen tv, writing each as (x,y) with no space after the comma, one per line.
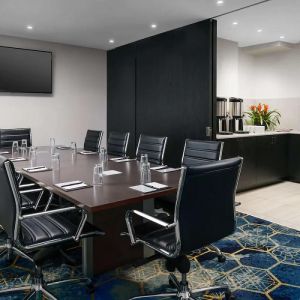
(25,71)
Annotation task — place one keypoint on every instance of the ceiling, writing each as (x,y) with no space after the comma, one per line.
(276,18)
(92,23)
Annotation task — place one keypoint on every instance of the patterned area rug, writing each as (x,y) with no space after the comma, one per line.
(263,262)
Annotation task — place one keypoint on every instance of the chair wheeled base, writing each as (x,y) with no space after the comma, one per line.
(184,292)
(38,285)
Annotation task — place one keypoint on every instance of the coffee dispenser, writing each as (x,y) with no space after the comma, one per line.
(237,115)
(222,116)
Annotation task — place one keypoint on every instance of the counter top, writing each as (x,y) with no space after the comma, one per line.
(236,135)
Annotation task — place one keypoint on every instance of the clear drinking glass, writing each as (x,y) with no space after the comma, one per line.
(24,148)
(55,161)
(145,173)
(98,175)
(52,145)
(15,149)
(33,156)
(143,160)
(74,147)
(103,158)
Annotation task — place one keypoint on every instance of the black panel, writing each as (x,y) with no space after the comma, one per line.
(25,71)
(174,89)
(294,157)
(121,93)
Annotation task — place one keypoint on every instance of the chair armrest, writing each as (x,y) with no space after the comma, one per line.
(49,212)
(31,191)
(130,227)
(27,185)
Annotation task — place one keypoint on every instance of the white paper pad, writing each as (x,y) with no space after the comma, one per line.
(75,186)
(158,168)
(111,172)
(116,158)
(17,159)
(87,152)
(62,184)
(63,147)
(142,188)
(4,152)
(36,169)
(168,170)
(125,160)
(156,185)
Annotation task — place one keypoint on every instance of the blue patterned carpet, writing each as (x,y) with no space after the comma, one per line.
(263,262)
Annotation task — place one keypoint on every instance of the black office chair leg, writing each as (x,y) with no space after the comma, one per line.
(30,295)
(220,255)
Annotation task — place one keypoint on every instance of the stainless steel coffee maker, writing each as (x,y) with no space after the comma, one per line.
(223,119)
(237,115)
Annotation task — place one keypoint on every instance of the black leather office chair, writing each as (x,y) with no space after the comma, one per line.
(93,140)
(204,214)
(7,136)
(196,152)
(117,143)
(26,234)
(153,146)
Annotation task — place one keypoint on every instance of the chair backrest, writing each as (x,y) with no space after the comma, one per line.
(117,143)
(93,140)
(9,198)
(197,152)
(205,205)
(7,136)
(153,146)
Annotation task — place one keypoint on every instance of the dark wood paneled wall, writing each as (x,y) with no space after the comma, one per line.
(164,86)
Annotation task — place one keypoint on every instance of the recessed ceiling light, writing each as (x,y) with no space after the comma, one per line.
(259,30)
(220,2)
(111,41)
(29,27)
(235,23)
(282,37)
(153,26)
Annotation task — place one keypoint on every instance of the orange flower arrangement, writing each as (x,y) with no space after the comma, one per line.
(262,115)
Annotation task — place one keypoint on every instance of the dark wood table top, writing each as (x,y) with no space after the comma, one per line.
(115,191)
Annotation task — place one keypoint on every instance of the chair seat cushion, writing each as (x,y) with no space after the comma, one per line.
(45,228)
(163,239)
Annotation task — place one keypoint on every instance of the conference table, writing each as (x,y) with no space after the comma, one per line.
(106,205)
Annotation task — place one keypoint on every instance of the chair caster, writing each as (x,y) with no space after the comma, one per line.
(221,258)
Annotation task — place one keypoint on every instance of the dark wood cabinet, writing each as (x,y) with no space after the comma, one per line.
(294,157)
(265,159)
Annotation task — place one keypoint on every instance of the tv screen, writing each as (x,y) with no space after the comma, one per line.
(25,71)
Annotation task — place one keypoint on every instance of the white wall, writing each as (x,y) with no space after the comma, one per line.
(271,78)
(227,70)
(78,101)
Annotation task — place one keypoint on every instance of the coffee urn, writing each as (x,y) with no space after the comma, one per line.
(222,116)
(237,115)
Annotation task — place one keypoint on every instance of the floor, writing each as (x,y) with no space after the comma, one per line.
(262,263)
(279,203)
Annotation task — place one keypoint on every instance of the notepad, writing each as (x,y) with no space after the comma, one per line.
(36,169)
(63,147)
(72,185)
(4,152)
(142,188)
(124,160)
(156,185)
(111,172)
(87,152)
(17,159)
(168,170)
(116,158)
(159,168)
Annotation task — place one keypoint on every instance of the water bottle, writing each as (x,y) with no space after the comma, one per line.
(145,173)
(103,158)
